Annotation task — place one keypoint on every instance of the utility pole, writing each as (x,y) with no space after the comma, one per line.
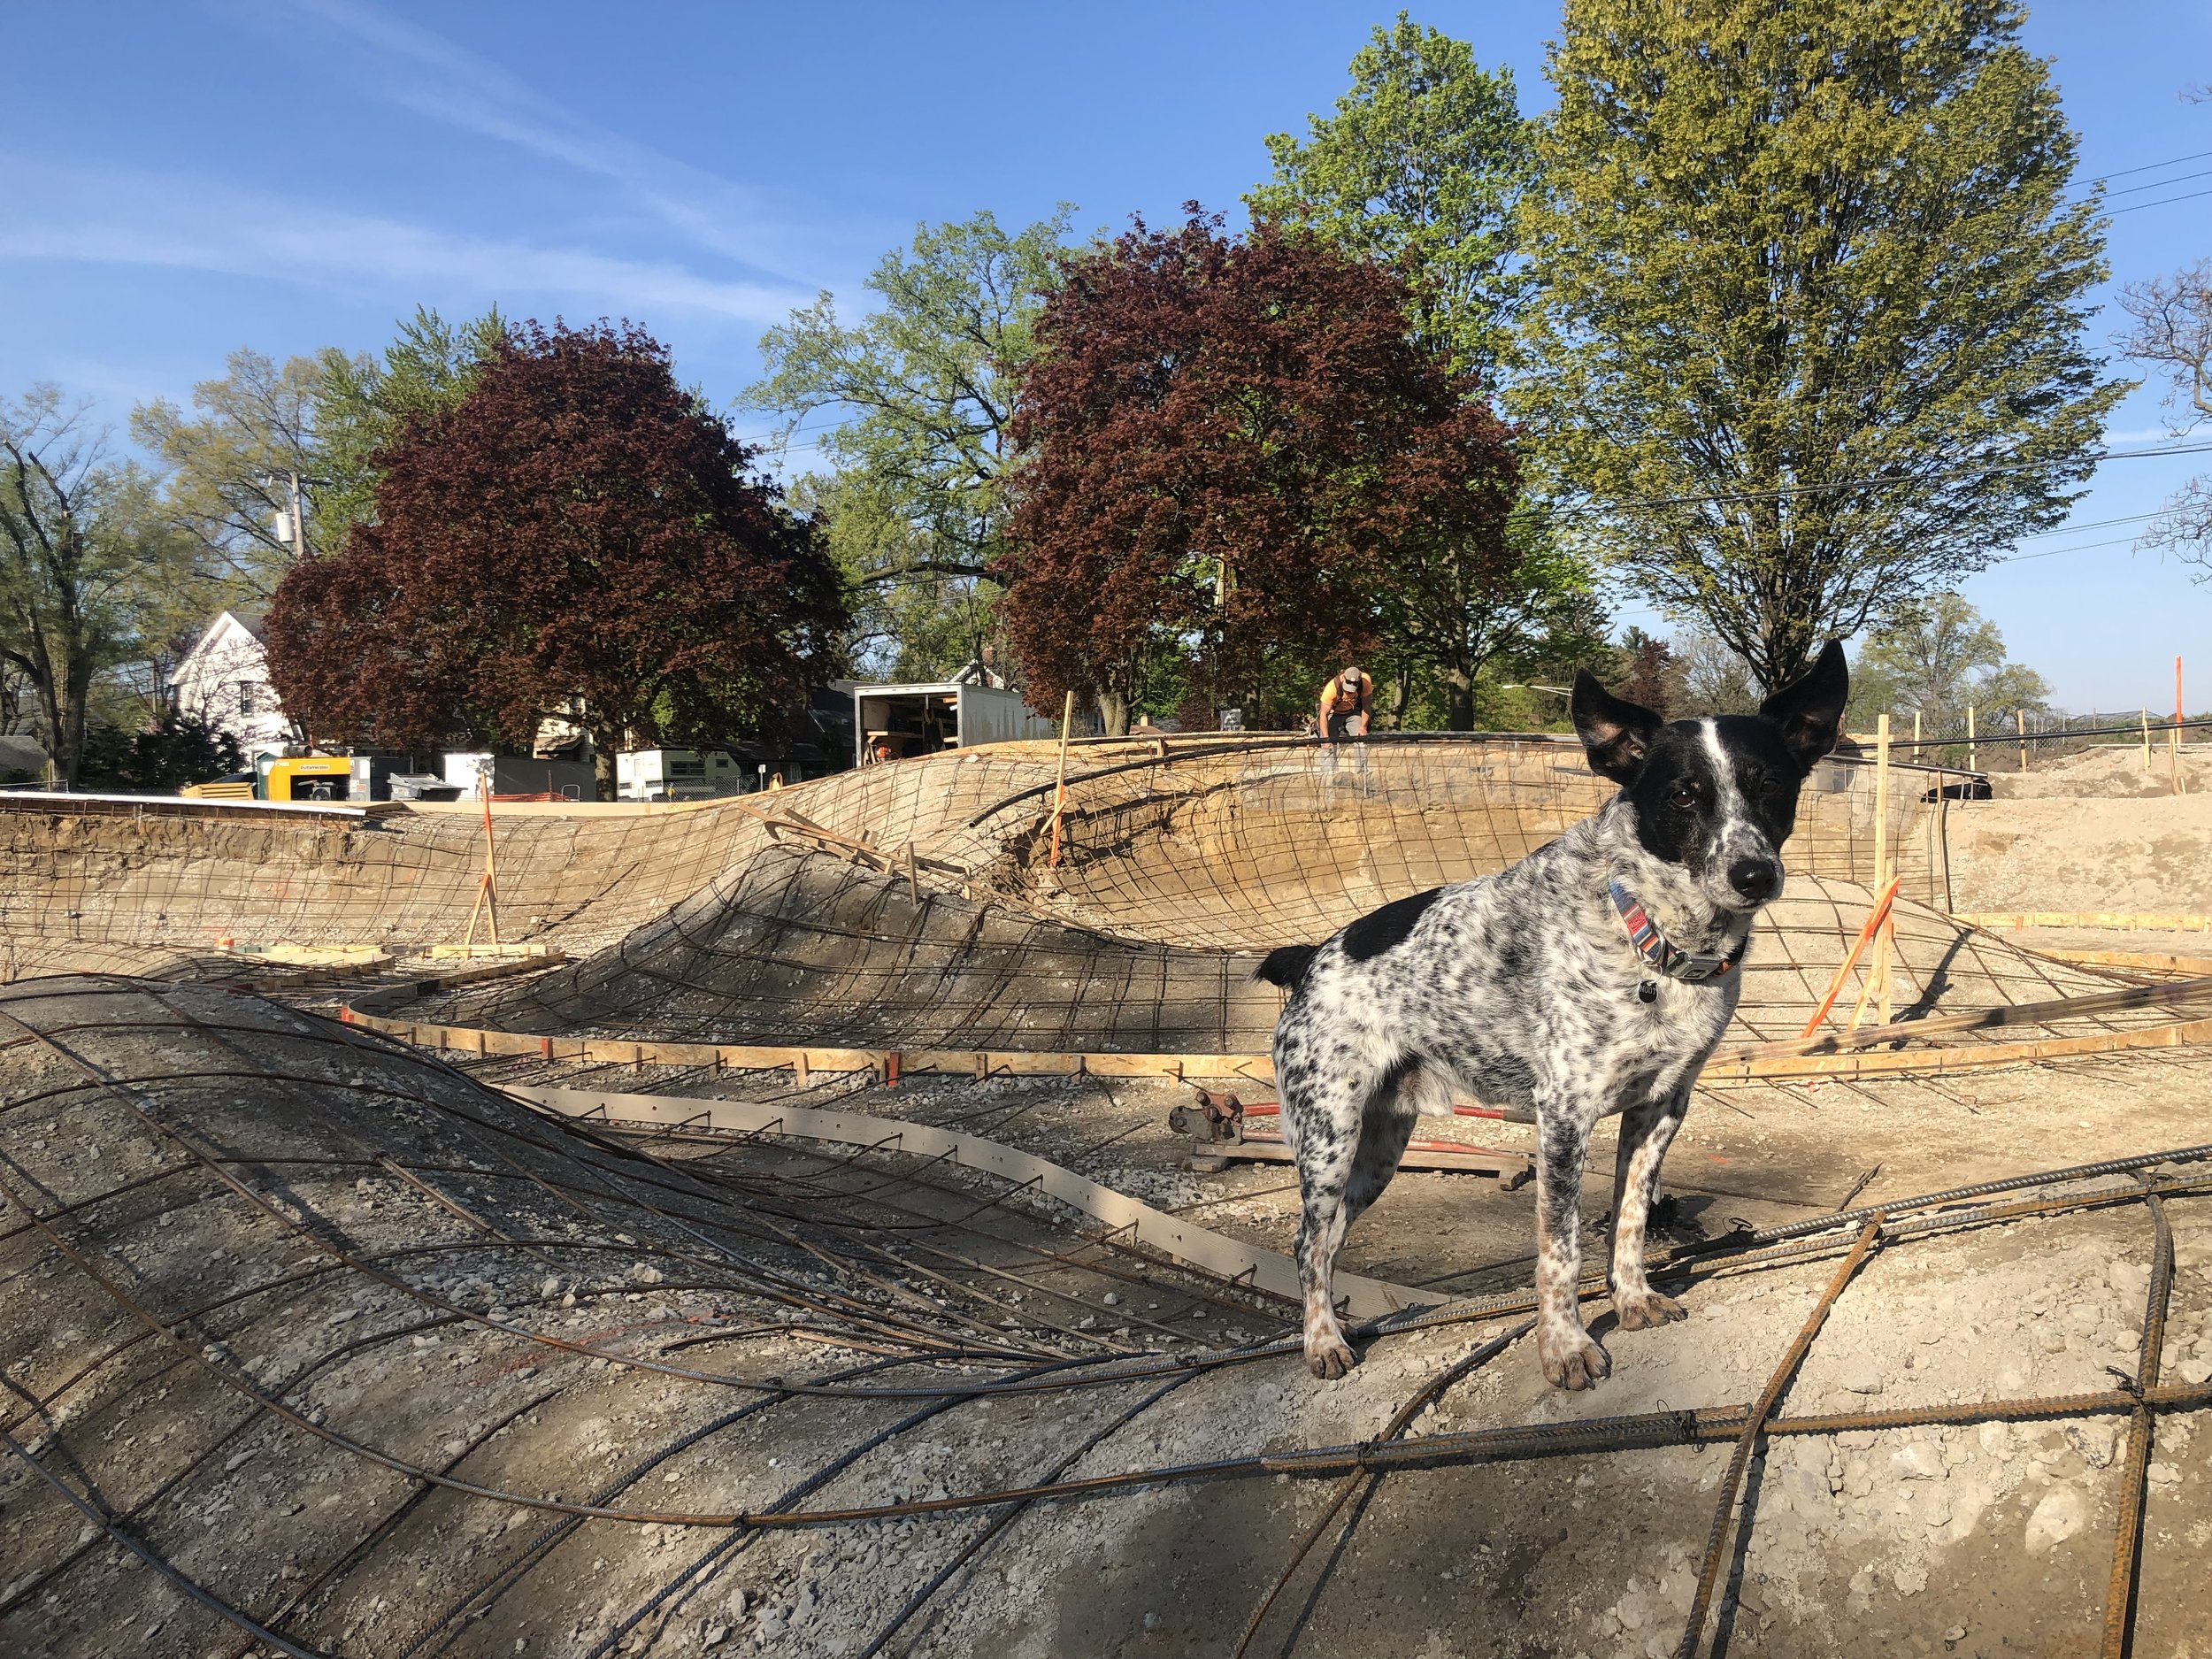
(291,527)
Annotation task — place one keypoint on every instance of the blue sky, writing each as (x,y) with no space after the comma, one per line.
(289,175)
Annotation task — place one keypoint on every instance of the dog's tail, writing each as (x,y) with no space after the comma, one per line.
(1286,965)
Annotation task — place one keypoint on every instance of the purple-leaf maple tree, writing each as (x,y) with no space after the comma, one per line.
(1231,450)
(578,534)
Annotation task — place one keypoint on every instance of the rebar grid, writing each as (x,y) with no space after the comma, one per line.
(1255,848)
(465,1174)
(717,927)
(251,1131)
(794,948)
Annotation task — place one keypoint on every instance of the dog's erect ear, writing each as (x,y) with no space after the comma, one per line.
(1616,733)
(1809,709)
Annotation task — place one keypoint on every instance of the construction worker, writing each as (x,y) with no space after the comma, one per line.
(1345,701)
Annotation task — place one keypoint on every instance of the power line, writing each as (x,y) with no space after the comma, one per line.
(2161,184)
(2149,166)
(2092,524)
(2084,547)
(1722,497)
(2135,207)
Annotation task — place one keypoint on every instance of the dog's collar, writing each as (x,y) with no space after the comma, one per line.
(1654,947)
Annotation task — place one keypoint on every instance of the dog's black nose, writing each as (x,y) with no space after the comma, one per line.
(1758,879)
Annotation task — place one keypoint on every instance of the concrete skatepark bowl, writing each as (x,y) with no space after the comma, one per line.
(798,1265)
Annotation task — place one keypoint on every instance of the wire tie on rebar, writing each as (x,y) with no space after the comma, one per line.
(2128,1385)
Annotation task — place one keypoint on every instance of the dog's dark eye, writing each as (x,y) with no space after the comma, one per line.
(1682,796)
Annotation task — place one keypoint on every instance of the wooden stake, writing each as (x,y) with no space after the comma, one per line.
(1971,767)
(1916,734)
(2146,740)
(1060,789)
(488,884)
(1874,919)
(1881,801)
(1943,843)
(1885,939)
(2173,748)
(2020,719)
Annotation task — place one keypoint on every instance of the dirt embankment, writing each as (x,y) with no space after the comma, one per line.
(2152,856)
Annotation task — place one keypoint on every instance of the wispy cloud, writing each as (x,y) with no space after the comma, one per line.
(424,72)
(147,218)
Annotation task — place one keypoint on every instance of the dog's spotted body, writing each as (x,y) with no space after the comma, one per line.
(1525,989)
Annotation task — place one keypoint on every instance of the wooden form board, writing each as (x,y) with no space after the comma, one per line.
(1133,1221)
(890,1064)
(2129,920)
(893,1063)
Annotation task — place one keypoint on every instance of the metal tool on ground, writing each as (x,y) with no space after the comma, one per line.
(1221,1134)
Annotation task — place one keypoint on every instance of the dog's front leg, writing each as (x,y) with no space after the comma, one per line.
(1647,1129)
(1569,1358)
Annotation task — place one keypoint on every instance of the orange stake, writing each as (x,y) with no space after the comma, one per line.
(1060,791)
(1875,918)
(488,884)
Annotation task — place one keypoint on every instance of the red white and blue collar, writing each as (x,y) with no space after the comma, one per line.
(1657,949)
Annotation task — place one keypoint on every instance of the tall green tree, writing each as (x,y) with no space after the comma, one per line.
(1419,166)
(1451,611)
(914,403)
(1937,657)
(231,464)
(89,567)
(320,420)
(364,404)
(1814,287)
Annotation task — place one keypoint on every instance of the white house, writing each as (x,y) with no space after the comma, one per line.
(225,680)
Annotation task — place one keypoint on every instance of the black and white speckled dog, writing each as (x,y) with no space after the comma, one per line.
(1594,975)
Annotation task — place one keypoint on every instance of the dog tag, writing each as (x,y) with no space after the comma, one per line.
(1648,991)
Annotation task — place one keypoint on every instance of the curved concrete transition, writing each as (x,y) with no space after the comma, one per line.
(315,1346)
(918,905)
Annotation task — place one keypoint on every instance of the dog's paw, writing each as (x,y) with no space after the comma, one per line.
(1328,1356)
(1571,1358)
(1646,1310)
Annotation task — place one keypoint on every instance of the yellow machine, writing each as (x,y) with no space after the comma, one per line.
(306,778)
(302,777)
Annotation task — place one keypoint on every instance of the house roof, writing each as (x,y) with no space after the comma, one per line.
(249,620)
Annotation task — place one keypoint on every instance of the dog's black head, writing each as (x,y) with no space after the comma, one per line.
(1717,796)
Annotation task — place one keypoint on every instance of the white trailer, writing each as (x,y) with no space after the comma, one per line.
(676,774)
(892,722)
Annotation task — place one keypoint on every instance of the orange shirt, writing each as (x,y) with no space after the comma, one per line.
(1338,698)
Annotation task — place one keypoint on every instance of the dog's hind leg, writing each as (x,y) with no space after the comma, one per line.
(1348,1133)
(1569,1358)
(1384,1127)
(1646,1132)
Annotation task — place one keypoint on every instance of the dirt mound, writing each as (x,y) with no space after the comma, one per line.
(2150,856)
(2109,773)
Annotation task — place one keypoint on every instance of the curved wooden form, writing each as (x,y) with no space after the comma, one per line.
(1133,1221)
